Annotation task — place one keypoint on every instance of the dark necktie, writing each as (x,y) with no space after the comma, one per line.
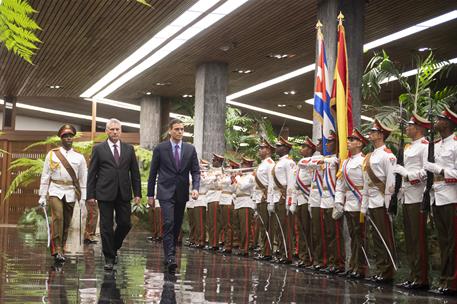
(116,154)
(177,160)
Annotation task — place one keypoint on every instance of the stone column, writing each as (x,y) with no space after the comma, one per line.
(150,121)
(211,83)
(353,11)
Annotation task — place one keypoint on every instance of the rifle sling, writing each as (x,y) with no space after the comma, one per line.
(70,171)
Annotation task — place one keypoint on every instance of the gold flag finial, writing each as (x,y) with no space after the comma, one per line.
(318,25)
(319,29)
(340,18)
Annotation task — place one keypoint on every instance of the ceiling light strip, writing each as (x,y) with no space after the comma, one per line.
(166,33)
(207,21)
(309,68)
(411,30)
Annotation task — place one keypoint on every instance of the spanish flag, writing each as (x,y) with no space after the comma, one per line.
(341,100)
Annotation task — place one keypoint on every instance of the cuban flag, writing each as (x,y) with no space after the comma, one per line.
(322,109)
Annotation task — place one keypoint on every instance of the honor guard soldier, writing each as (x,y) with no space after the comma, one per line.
(281,190)
(262,177)
(227,211)
(191,218)
(379,182)
(332,238)
(213,197)
(302,217)
(314,201)
(244,205)
(200,206)
(63,182)
(445,203)
(348,198)
(414,178)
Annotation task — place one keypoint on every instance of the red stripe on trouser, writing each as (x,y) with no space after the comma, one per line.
(246,242)
(323,236)
(338,244)
(422,253)
(454,277)
(201,225)
(215,223)
(297,234)
(160,223)
(53,246)
(289,240)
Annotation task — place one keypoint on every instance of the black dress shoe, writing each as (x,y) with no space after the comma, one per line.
(89,241)
(172,265)
(59,258)
(108,266)
(263,257)
(383,280)
(226,251)
(417,286)
(357,275)
(404,284)
(150,238)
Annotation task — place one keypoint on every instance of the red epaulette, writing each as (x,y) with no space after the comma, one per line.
(455,137)
(387,150)
(270,161)
(424,141)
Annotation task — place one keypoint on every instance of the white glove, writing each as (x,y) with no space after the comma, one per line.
(254,207)
(287,207)
(82,203)
(432,167)
(271,208)
(293,208)
(337,214)
(400,170)
(339,207)
(42,201)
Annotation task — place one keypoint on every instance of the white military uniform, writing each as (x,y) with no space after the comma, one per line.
(263,175)
(414,184)
(214,186)
(201,201)
(284,170)
(304,177)
(329,181)
(55,179)
(382,163)
(317,182)
(227,190)
(244,190)
(349,186)
(446,157)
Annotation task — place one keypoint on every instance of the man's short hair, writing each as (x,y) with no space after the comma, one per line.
(113,121)
(174,121)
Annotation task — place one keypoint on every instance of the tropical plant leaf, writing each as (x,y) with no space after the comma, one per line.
(32,169)
(17,28)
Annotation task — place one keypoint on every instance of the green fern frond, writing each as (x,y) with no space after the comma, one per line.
(32,173)
(143,2)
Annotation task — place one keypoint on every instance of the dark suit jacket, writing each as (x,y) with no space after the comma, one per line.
(170,179)
(106,178)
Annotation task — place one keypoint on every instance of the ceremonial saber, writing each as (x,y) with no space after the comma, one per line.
(384,242)
(264,227)
(47,226)
(282,233)
(366,257)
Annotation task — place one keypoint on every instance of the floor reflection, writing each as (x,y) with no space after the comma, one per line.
(29,276)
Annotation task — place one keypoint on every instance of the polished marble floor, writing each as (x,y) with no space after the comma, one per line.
(29,276)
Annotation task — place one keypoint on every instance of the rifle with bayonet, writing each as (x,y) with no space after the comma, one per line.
(393,206)
(426,199)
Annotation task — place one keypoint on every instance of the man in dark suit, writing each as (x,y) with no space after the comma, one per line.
(113,174)
(172,161)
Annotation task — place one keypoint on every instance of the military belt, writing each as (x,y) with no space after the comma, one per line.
(62,183)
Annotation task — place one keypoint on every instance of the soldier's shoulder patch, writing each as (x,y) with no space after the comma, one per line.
(387,150)
(407,146)
(424,141)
